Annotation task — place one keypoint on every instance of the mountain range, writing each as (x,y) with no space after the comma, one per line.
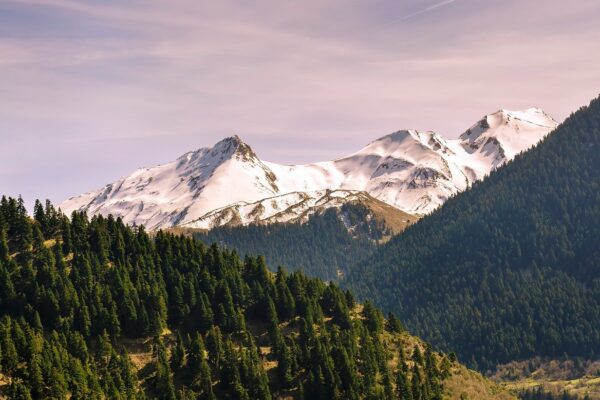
(509,269)
(228,184)
(503,275)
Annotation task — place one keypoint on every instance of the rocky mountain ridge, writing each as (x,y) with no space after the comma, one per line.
(413,171)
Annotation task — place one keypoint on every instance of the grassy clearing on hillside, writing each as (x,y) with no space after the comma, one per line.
(576,376)
(394,219)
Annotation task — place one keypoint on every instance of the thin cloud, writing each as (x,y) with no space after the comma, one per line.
(428,9)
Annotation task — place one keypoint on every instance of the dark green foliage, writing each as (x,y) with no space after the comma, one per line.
(321,247)
(540,394)
(393,324)
(510,268)
(373,318)
(74,293)
(164,386)
(178,355)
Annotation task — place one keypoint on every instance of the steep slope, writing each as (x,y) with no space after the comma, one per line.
(194,184)
(228,184)
(93,309)
(510,268)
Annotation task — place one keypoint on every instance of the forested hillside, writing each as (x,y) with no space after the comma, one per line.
(511,268)
(324,246)
(93,309)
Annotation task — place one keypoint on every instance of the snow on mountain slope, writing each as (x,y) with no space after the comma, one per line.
(284,208)
(504,134)
(291,207)
(411,170)
(194,184)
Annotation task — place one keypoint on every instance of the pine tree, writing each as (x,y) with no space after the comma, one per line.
(10,358)
(58,384)
(4,252)
(285,301)
(388,390)
(178,354)
(65,230)
(416,383)
(284,365)
(164,385)
(35,377)
(199,368)
(19,391)
(39,215)
(204,314)
(214,345)
(22,225)
(393,324)
(373,318)
(403,388)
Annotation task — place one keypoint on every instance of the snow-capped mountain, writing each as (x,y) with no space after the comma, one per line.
(413,171)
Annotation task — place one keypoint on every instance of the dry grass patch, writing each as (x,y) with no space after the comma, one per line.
(577,377)
(394,219)
(470,385)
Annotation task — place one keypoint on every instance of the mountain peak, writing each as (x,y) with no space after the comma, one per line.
(412,170)
(397,136)
(406,134)
(230,144)
(234,145)
(225,149)
(233,139)
(505,133)
(532,115)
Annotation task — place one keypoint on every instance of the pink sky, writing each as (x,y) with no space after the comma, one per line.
(92,90)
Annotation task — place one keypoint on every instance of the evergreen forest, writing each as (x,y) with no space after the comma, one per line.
(78,295)
(325,246)
(509,269)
